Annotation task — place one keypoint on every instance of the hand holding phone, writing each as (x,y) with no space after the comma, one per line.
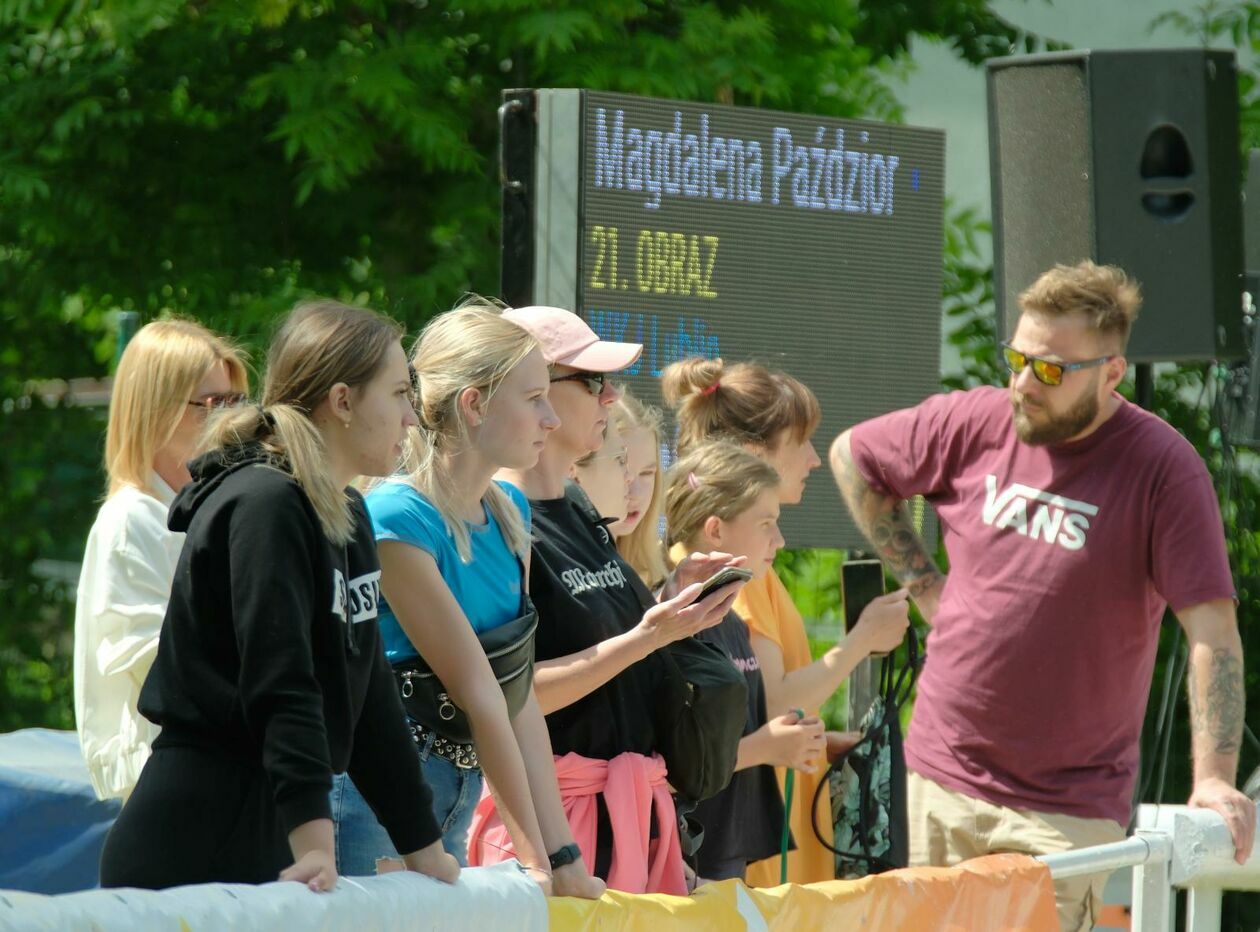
(881,628)
(723,577)
(861,581)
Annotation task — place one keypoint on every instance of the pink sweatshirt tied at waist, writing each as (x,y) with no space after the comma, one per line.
(633,786)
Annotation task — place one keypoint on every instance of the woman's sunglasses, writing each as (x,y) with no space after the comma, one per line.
(230,400)
(594,381)
(1046,371)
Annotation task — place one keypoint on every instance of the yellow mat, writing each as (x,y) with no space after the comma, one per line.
(999,892)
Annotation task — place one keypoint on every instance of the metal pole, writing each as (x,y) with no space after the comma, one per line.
(862,683)
(1146,848)
(1203,909)
(861,691)
(1144,385)
(1152,891)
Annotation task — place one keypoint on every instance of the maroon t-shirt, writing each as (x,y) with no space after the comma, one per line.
(1062,559)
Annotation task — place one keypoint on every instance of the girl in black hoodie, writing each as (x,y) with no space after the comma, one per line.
(270,652)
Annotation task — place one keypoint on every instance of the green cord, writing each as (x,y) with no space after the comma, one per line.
(787,809)
(787,813)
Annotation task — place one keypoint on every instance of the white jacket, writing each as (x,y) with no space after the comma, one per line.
(124,586)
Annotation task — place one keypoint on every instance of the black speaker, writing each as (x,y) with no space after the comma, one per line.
(1251,217)
(1129,158)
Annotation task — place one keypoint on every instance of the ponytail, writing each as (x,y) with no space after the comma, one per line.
(294,444)
(320,344)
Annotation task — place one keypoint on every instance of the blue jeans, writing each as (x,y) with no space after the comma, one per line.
(361,839)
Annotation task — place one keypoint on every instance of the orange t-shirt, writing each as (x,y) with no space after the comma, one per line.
(769,611)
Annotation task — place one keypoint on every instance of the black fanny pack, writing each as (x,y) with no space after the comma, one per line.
(510,650)
(700,714)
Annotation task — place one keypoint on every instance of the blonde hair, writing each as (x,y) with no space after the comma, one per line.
(714,479)
(472,346)
(320,344)
(157,375)
(745,403)
(1104,294)
(641,548)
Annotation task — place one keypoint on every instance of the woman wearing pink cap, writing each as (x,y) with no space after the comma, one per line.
(599,628)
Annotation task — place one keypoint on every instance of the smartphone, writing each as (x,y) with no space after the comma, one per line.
(724,577)
(861,581)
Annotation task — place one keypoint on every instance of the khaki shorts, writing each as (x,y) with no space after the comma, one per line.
(947,827)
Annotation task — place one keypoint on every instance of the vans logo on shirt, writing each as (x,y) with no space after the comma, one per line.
(1037,514)
(360,597)
(580,580)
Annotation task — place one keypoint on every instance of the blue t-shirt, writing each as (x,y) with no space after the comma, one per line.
(488,588)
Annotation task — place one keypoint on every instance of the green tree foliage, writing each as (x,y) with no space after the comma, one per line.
(220,160)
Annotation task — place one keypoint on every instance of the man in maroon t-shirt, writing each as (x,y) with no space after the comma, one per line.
(1071,518)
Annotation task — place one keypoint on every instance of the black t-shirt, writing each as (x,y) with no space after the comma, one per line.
(585,593)
(744,822)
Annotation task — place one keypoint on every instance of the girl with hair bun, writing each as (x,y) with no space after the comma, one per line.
(172,374)
(774,415)
(269,676)
(454,547)
(721,497)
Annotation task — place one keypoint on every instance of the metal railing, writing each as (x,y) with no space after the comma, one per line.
(1173,847)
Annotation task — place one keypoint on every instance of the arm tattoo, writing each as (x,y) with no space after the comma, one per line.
(883,520)
(1216,716)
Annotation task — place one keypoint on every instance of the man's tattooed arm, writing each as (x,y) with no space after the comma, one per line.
(1217,706)
(883,520)
(1217,702)
(1216,687)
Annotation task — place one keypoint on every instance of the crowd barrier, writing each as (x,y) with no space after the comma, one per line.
(51,828)
(1174,847)
(484,899)
(1002,892)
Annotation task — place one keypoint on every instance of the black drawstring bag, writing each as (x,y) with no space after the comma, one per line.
(868,781)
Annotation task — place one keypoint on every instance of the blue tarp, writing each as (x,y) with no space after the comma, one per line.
(52,825)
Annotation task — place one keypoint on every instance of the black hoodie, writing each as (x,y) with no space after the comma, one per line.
(270,649)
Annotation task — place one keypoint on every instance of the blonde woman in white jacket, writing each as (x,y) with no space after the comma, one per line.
(172,374)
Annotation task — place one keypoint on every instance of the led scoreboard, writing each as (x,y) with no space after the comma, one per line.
(809,244)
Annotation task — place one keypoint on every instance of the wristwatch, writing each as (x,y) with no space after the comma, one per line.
(566,855)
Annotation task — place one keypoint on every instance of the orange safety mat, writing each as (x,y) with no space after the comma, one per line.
(999,892)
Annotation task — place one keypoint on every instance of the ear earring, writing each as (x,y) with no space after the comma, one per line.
(347,423)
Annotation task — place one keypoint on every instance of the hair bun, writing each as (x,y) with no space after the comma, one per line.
(687,377)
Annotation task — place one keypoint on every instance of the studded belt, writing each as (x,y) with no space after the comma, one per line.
(463,756)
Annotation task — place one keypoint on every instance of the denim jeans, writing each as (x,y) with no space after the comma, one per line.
(361,839)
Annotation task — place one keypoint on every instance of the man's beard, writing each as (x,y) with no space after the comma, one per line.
(1059,427)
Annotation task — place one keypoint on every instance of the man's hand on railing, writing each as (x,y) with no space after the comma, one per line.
(1236,809)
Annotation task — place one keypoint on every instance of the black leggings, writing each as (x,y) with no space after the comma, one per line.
(196,816)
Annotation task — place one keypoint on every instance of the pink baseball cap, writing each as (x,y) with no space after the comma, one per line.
(567,340)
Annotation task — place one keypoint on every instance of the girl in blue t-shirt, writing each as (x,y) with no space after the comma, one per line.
(454,550)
